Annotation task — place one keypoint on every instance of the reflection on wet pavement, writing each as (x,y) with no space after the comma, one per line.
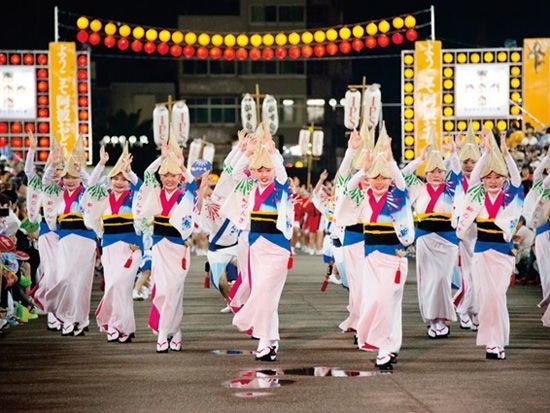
(231,352)
(319,371)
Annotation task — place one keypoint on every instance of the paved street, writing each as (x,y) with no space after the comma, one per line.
(318,370)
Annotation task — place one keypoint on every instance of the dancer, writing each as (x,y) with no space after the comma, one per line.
(494,202)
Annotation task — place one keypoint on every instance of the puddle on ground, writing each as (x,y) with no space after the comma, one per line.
(232,352)
(251,394)
(319,371)
(256,383)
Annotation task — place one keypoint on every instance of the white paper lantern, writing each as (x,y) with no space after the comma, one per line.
(208,152)
(317,143)
(352,109)
(249,116)
(194,152)
(180,122)
(161,117)
(303,141)
(372,105)
(270,114)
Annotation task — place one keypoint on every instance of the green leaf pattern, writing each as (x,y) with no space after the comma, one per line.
(244,186)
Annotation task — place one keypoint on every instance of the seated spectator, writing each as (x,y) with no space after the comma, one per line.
(523,239)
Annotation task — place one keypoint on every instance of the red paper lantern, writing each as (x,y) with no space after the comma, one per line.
(188,51)
(357,44)
(371,42)
(3,141)
(83,114)
(202,52)
(319,50)
(280,52)
(345,47)
(149,47)
(42,100)
(42,59)
(268,53)
(43,112)
(42,74)
(229,53)
(82,36)
(15,59)
(255,53)
(241,53)
(82,74)
(16,142)
(215,52)
(42,86)
(28,59)
(383,40)
(16,127)
(44,142)
(3,127)
(83,128)
(29,127)
(163,48)
(175,50)
(136,46)
(397,38)
(82,60)
(123,43)
(82,101)
(82,87)
(294,52)
(411,35)
(307,51)
(332,48)
(43,127)
(94,38)
(3,59)
(43,155)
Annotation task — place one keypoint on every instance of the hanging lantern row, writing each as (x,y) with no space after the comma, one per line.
(254,53)
(319,41)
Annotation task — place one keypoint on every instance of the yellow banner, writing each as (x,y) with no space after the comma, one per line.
(536,82)
(427,93)
(63,94)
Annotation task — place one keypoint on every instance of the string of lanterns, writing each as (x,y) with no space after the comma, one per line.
(241,46)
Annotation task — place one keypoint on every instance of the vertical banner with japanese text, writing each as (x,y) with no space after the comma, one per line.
(63,94)
(427,92)
(536,82)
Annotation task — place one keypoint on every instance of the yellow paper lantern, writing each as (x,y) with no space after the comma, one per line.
(204,39)
(408,100)
(408,87)
(448,57)
(515,57)
(242,40)
(358,31)
(501,125)
(217,40)
(298,164)
(408,113)
(410,22)
(476,125)
(515,97)
(398,22)
(372,29)
(229,40)
(488,124)
(409,140)
(514,110)
(515,71)
(280,39)
(255,40)
(190,38)
(307,37)
(138,32)
(448,72)
(384,26)
(95,25)
(502,56)
(82,23)
(449,126)
(164,36)
(344,33)
(151,35)
(408,73)
(268,39)
(474,58)
(448,111)
(447,84)
(110,28)
(515,83)
(332,35)
(177,37)
(409,154)
(461,58)
(462,125)
(409,59)
(408,126)
(294,38)
(319,36)
(448,98)
(124,30)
